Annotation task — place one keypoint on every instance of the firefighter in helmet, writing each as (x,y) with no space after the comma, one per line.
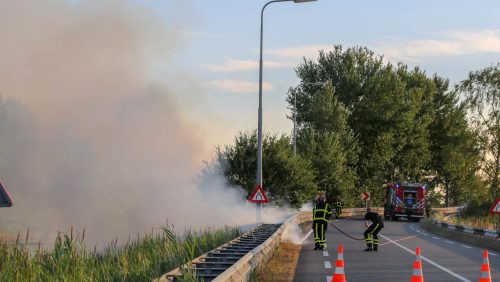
(338,205)
(371,233)
(321,214)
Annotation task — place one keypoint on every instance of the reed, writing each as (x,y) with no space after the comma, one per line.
(141,259)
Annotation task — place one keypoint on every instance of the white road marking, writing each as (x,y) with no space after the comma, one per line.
(328,278)
(468,247)
(425,234)
(328,264)
(449,242)
(308,234)
(428,260)
(490,253)
(436,238)
(398,240)
(325,253)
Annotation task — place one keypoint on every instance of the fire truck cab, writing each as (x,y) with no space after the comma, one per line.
(404,200)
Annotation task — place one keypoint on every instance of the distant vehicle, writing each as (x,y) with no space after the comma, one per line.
(404,200)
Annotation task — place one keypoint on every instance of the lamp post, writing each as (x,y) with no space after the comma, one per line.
(258,179)
(319,83)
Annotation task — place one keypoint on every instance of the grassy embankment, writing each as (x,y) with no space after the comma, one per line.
(483,222)
(141,259)
(282,265)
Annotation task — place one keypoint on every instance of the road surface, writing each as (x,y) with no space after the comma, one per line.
(442,259)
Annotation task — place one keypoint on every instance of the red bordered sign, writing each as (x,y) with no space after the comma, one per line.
(258,196)
(365,196)
(496,207)
(5,199)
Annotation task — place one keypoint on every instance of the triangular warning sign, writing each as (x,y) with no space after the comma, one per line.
(258,196)
(496,207)
(5,200)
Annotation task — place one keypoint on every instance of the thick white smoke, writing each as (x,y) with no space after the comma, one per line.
(87,137)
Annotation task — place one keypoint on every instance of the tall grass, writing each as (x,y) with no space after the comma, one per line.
(141,259)
(485,222)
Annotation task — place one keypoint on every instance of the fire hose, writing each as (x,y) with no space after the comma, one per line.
(354,238)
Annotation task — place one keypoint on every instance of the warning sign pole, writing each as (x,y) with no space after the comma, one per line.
(259,208)
(258,197)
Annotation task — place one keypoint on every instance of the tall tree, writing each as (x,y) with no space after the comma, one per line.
(482,89)
(288,179)
(327,141)
(454,146)
(387,108)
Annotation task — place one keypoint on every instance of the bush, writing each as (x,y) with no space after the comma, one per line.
(477,209)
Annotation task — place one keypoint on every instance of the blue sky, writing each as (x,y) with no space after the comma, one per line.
(220,47)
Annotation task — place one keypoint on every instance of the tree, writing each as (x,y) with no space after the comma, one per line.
(325,139)
(482,89)
(387,112)
(287,179)
(454,146)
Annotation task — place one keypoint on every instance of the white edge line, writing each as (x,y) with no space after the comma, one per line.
(308,234)
(449,242)
(468,247)
(328,278)
(328,264)
(325,253)
(429,261)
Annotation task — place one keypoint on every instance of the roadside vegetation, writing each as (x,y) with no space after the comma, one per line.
(475,215)
(141,259)
(372,122)
(281,267)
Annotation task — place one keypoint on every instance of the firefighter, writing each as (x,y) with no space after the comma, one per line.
(321,214)
(371,233)
(338,207)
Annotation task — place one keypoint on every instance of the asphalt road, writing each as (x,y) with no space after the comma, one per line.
(442,259)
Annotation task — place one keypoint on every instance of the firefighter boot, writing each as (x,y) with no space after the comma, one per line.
(316,246)
(369,249)
(375,248)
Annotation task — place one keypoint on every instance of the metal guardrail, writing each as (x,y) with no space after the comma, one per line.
(237,259)
(467,229)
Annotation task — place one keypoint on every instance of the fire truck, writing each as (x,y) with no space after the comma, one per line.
(404,200)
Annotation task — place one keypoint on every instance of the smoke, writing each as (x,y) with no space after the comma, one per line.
(88,136)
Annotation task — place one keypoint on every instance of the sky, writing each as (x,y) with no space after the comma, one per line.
(221,47)
(108,109)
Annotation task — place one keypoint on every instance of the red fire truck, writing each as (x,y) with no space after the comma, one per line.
(404,200)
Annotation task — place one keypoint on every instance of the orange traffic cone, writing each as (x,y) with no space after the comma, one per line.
(485,268)
(339,275)
(417,268)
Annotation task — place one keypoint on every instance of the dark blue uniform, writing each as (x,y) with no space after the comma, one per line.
(371,233)
(321,214)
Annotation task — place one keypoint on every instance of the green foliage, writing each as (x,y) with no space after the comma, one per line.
(482,89)
(142,259)
(375,122)
(288,179)
(455,147)
(477,208)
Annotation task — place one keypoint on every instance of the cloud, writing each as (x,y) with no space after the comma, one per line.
(308,51)
(232,65)
(239,86)
(453,43)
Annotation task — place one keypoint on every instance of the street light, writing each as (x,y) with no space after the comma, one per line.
(319,83)
(258,179)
